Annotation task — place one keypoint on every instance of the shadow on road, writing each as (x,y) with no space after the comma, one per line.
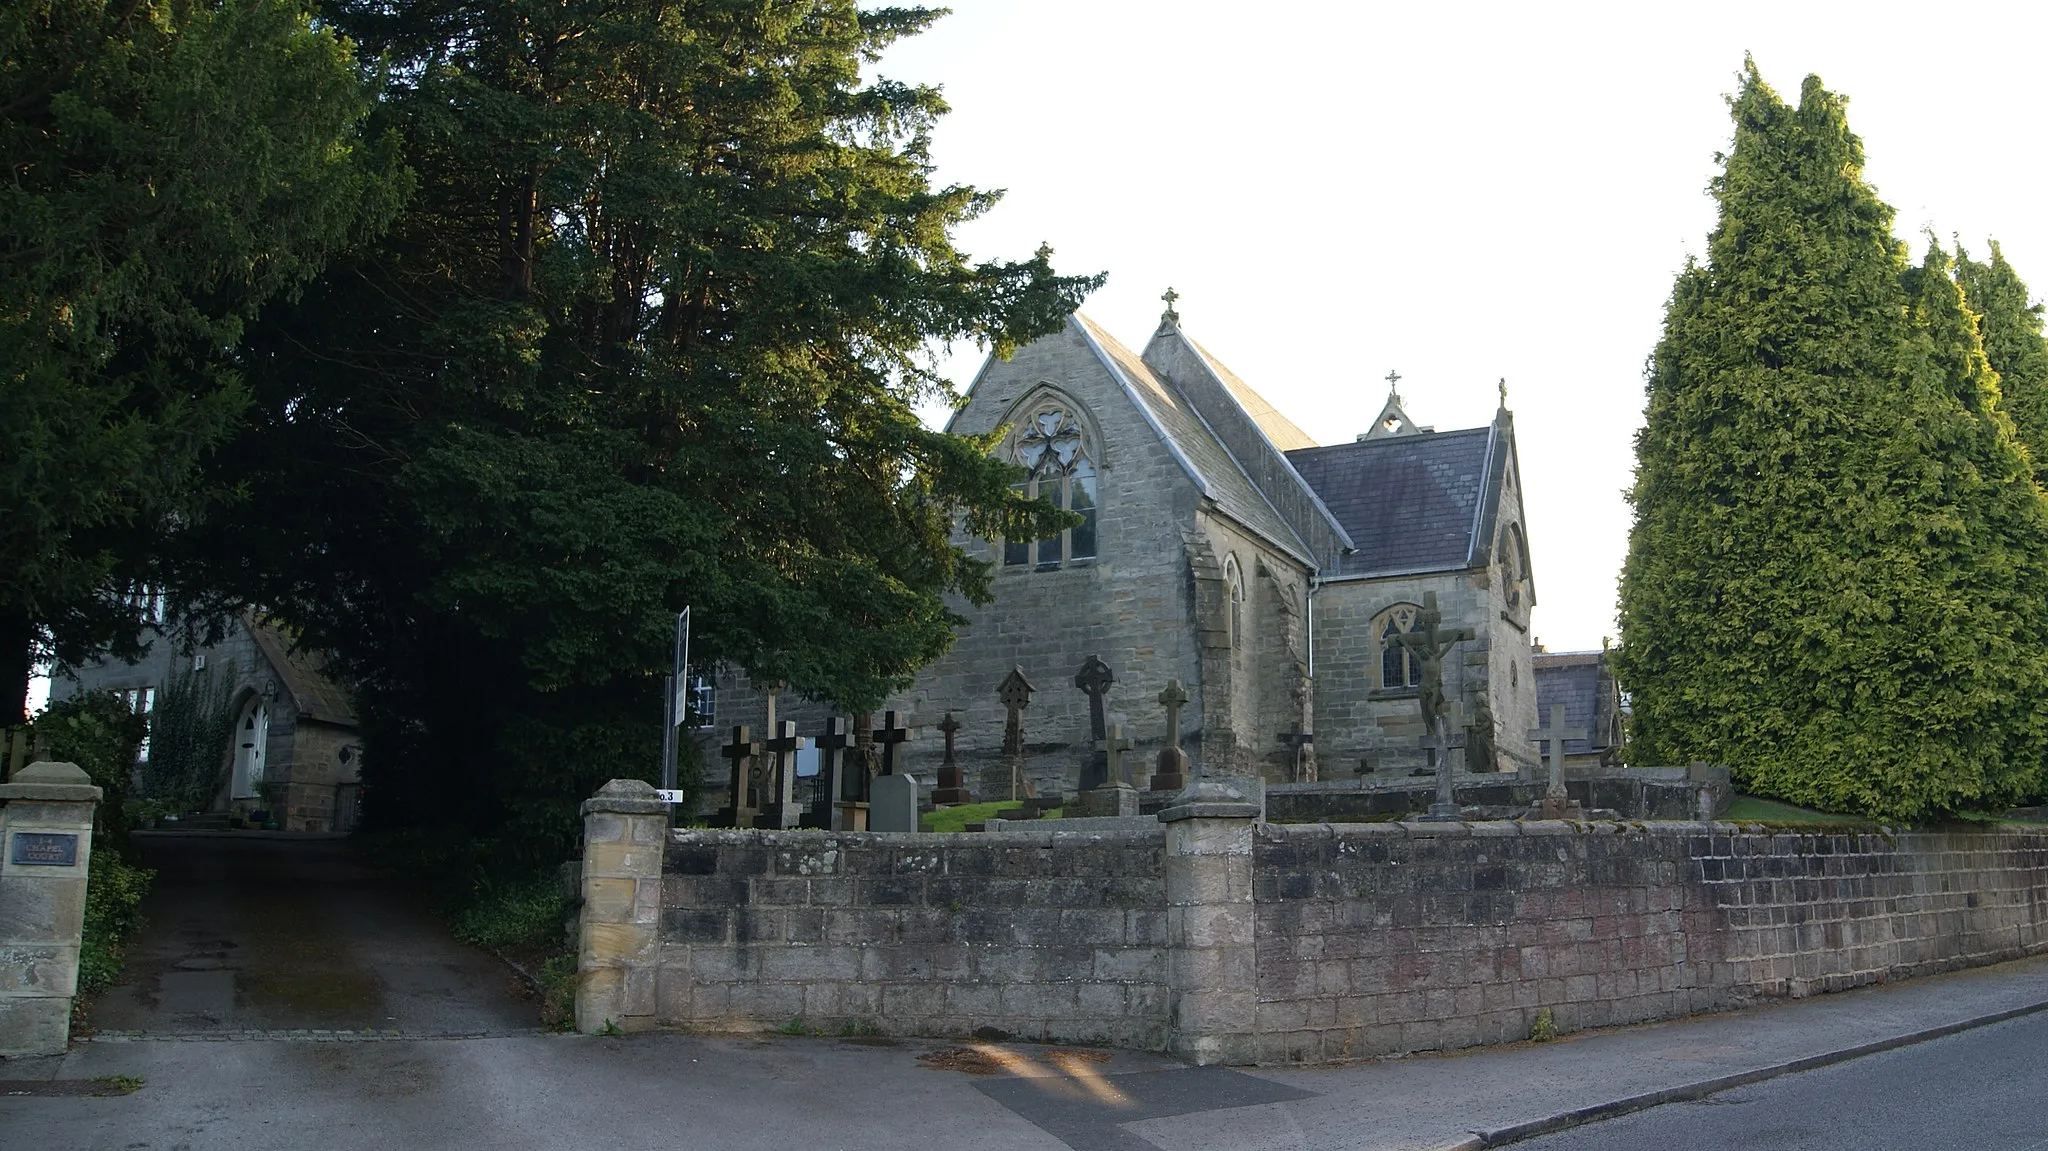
(253,931)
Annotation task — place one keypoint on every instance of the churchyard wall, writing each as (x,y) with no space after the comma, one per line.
(1226,939)
(1048,935)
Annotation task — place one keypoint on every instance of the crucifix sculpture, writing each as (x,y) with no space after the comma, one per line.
(1445,809)
(1171,772)
(1428,642)
(1094,680)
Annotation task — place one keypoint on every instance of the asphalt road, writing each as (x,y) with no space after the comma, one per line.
(1984,1090)
(249,931)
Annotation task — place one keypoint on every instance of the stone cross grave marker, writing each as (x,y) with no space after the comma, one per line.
(1445,809)
(1113,745)
(1171,772)
(1094,680)
(1302,742)
(1429,642)
(952,789)
(1015,694)
(893,733)
(741,751)
(837,786)
(777,775)
(1557,803)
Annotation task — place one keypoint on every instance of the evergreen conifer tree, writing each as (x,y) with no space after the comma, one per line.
(2010,322)
(1833,580)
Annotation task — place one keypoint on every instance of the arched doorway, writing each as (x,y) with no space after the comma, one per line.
(252,732)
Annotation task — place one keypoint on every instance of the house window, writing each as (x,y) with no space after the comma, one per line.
(703,702)
(141,701)
(146,601)
(1399,667)
(1054,451)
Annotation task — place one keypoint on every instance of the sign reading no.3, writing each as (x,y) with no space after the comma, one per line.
(44,849)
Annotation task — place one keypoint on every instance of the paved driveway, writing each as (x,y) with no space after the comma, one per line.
(253,931)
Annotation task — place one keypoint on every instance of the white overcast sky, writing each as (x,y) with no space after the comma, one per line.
(1459,192)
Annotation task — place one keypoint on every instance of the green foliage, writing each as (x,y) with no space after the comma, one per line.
(1544,1028)
(171,166)
(113,897)
(97,732)
(649,335)
(527,914)
(1835,579)
(190,733)
(2010,322)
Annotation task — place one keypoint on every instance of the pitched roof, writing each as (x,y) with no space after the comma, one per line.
(314,693)
(1284,433)
(1410,503)
(1574,681)
(1200,452)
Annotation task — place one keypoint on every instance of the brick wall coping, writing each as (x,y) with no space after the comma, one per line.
(1513,828)
(626,797)
(1050,836)
(46,782)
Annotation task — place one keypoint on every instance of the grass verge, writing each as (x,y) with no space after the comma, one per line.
(957,818)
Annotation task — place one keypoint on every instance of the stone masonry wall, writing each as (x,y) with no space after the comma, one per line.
(1378,938)
(1048,935)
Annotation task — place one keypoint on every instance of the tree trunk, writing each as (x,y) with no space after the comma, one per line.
(17,664)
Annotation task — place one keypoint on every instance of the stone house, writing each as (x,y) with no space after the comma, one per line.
(293,724)
(1223,547)
(1583,684)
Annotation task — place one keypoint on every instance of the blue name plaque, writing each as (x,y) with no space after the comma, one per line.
(44,849)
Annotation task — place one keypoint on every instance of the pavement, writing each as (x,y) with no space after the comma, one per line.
(425,1047)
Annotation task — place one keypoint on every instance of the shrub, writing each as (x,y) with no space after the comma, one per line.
(113,898)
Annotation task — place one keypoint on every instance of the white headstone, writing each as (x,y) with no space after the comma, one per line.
(892,803)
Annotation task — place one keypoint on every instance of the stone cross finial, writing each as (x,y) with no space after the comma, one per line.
(1393,384)
(1429,643)
(1170,316)
(1094,680)
(892,733)
(1113,745)
(1550,742)
(1503,391)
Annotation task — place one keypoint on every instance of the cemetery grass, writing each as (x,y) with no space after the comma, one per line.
(1755,809)
(957,818)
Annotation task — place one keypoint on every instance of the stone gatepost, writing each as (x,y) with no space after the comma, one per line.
(45,846)
(1212,964)
(625,829)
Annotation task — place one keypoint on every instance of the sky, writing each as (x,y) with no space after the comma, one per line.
(1457,192)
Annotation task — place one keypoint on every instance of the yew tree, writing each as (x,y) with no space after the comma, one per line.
(1834,582)
(649,334)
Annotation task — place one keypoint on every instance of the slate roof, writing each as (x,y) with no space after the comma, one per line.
(1410,503)
(304,673)
(1285,433)
(1573,680)
(1207,461)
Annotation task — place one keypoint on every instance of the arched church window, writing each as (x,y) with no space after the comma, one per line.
(1514,566)
(1233,583)
(1399,668)
(1053,446)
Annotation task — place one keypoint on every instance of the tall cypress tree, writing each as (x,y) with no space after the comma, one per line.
(2010,322)
(1833,574)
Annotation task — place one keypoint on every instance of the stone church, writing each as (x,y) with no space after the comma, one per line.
(1223,546)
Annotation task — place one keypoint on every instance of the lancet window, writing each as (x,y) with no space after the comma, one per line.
(1399,668)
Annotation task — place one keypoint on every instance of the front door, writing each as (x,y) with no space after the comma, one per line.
(252,731)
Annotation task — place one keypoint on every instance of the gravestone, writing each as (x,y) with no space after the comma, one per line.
(740,812)
(1015,694)
(1116,797)
(844,790)
(894,734)
(776,775)
(1094,680)
(1302,763)
(892,803)
(952,789)
(1557,803)
(1171,771)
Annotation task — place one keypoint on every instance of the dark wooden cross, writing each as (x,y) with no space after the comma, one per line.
(892,733)
(952,789)
(1302,742)
(1550,745)
(1113,745)
(832,743)
(1171,772)
(777,775)
(1428,642)
(1094,680)
(741,751)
